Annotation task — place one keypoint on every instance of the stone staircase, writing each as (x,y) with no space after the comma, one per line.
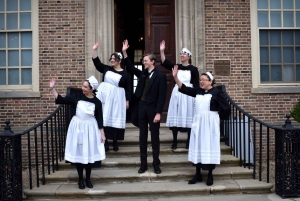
(118,178)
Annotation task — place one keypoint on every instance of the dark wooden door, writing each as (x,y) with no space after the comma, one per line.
(160,25)
(119,27)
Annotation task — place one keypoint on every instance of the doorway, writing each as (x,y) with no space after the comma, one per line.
(145,23)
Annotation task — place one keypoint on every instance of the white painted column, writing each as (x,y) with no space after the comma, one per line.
(99,27)
(190,30)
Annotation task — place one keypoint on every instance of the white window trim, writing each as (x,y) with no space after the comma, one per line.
(258,87)
(33,91)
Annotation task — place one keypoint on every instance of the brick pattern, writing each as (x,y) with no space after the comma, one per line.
(228,36)
(61,55)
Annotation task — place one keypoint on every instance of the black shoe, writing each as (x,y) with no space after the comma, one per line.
(174,145)
(115,145)
(88,183)
(81,184)
(210,180)
(196,179)
(157,170)
(143,169)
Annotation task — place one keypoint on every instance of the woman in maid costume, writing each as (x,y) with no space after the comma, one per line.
(181,106)
(85,137)
(210,106)
(115,94)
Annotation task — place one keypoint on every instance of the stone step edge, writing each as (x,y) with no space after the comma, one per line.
(67,191)
(174,174)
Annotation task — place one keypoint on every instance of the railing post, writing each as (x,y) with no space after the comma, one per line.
(10,165)
(287,157)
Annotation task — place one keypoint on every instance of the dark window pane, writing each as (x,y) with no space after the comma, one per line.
(287,37)
(264,73)
(2,77)
(26,76)
(275,54)
(275,37)
(298,73)
(263,38)
(288,55)
(264,55)
(276,73)
(13,76)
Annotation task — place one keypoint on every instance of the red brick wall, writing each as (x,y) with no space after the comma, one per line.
(228,36)
(61,55)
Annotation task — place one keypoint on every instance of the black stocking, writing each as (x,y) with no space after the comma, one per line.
(80,172)
(174,144)
(88,171)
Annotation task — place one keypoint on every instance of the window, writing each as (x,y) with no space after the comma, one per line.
(18,45)
(276,43)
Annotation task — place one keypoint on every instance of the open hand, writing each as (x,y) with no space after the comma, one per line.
(162,46)
(125,45)
(52,83)
(175,71)
(95,46)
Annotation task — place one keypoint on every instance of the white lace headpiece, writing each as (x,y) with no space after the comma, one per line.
(186,51)
(93,82)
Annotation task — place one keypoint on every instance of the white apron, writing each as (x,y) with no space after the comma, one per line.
(83,144)
(113,100)
(181,106)
(205,133)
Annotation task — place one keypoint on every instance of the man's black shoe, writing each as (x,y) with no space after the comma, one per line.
(157,170)
(143,169)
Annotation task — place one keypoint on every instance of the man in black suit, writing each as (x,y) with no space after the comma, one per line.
(151,92)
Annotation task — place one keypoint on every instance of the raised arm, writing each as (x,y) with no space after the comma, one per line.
(68,100)
(53,90)
(162,48)
(182,88)
(129,66)
(97,62)
(95,50)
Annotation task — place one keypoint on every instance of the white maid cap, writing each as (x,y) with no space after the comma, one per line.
(210,76)
(186,51)
(93,82)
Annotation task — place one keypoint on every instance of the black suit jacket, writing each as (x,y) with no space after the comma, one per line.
(156,90)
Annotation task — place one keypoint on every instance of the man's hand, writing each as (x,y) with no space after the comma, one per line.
(156,118)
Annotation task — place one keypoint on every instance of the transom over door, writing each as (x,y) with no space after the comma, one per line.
(160,25)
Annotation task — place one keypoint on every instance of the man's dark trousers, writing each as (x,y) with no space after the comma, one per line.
(146,116)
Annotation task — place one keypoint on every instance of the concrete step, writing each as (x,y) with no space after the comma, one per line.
(118,178)
(123,175)
(166,161)
(211,197)
(147,190)
(165,149)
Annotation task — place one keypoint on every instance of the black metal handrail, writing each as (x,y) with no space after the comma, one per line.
(56,131)
(253,153)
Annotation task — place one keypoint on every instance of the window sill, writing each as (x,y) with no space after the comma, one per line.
(276,90)
(20,94)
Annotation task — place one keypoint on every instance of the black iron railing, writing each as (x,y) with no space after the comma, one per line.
(257,144)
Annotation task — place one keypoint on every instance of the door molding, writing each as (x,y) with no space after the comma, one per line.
(189,28)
